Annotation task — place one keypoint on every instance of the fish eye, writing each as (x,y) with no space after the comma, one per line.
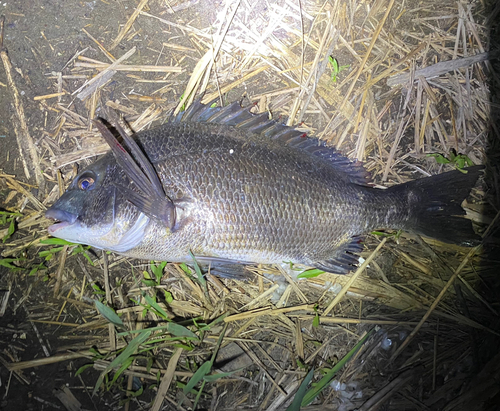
(85,183)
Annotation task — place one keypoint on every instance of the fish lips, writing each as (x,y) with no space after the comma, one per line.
(65,219)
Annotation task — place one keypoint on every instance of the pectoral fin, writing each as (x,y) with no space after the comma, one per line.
(151,198)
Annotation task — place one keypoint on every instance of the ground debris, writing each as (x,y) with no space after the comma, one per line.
(385,82)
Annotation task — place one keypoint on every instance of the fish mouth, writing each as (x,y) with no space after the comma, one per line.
(64,219)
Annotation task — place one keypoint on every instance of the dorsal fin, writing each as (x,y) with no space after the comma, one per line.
(241,117)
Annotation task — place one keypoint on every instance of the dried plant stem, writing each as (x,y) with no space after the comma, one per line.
(201,73)
(438,299)
(128,24)
(166,380)
(368,52)
(60,269)
(27,149)
(105,72)
(109,300)
(439,68)
(124,67)
(103,49)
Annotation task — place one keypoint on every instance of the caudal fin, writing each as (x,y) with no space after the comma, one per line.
(436,206)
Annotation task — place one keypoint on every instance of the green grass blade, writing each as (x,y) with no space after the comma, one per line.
(313,272)
(218,320)
(205,368)
(127,363)
(320,386)
(301,392)
(6,262)
(215,377)
(109,314)
(122,358)
(156,306)
(56,241)
(199,375)
(178,330)
(199,274)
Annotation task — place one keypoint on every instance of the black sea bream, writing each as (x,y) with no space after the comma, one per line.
(228,185)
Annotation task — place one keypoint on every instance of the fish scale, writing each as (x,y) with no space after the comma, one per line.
(249,190)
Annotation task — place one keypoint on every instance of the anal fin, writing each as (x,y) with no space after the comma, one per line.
(344,259)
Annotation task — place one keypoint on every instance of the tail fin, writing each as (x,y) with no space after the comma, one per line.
(436,206)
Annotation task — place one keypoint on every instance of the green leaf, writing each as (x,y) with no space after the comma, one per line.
(382,234)
(10,214)
(56,241)
(335,64)
(197,269)
(313,272)
(299,395)
(215,377)
(458,160)
(98,290)
(199,375)
(6,262)
(218,320)
(180,384)
(180,331)
(149,364)
(48,254)
(168,296)
(10,231)
(320,386)
(108,313)
(184,267)
(440,159)
(160,311)
(82,369)
(120,370)
(135,393)
(205,368)
(316,321)
(123,357)
(157,270)
(183,107)
(80,249)
(88,258)
(36,268)
(336,68)
(97,354)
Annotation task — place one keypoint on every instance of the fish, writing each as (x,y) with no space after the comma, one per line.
(228,186)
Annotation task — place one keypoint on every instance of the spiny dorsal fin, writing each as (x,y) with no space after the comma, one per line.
(241,117)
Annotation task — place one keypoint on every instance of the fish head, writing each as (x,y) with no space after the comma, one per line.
(92,210)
